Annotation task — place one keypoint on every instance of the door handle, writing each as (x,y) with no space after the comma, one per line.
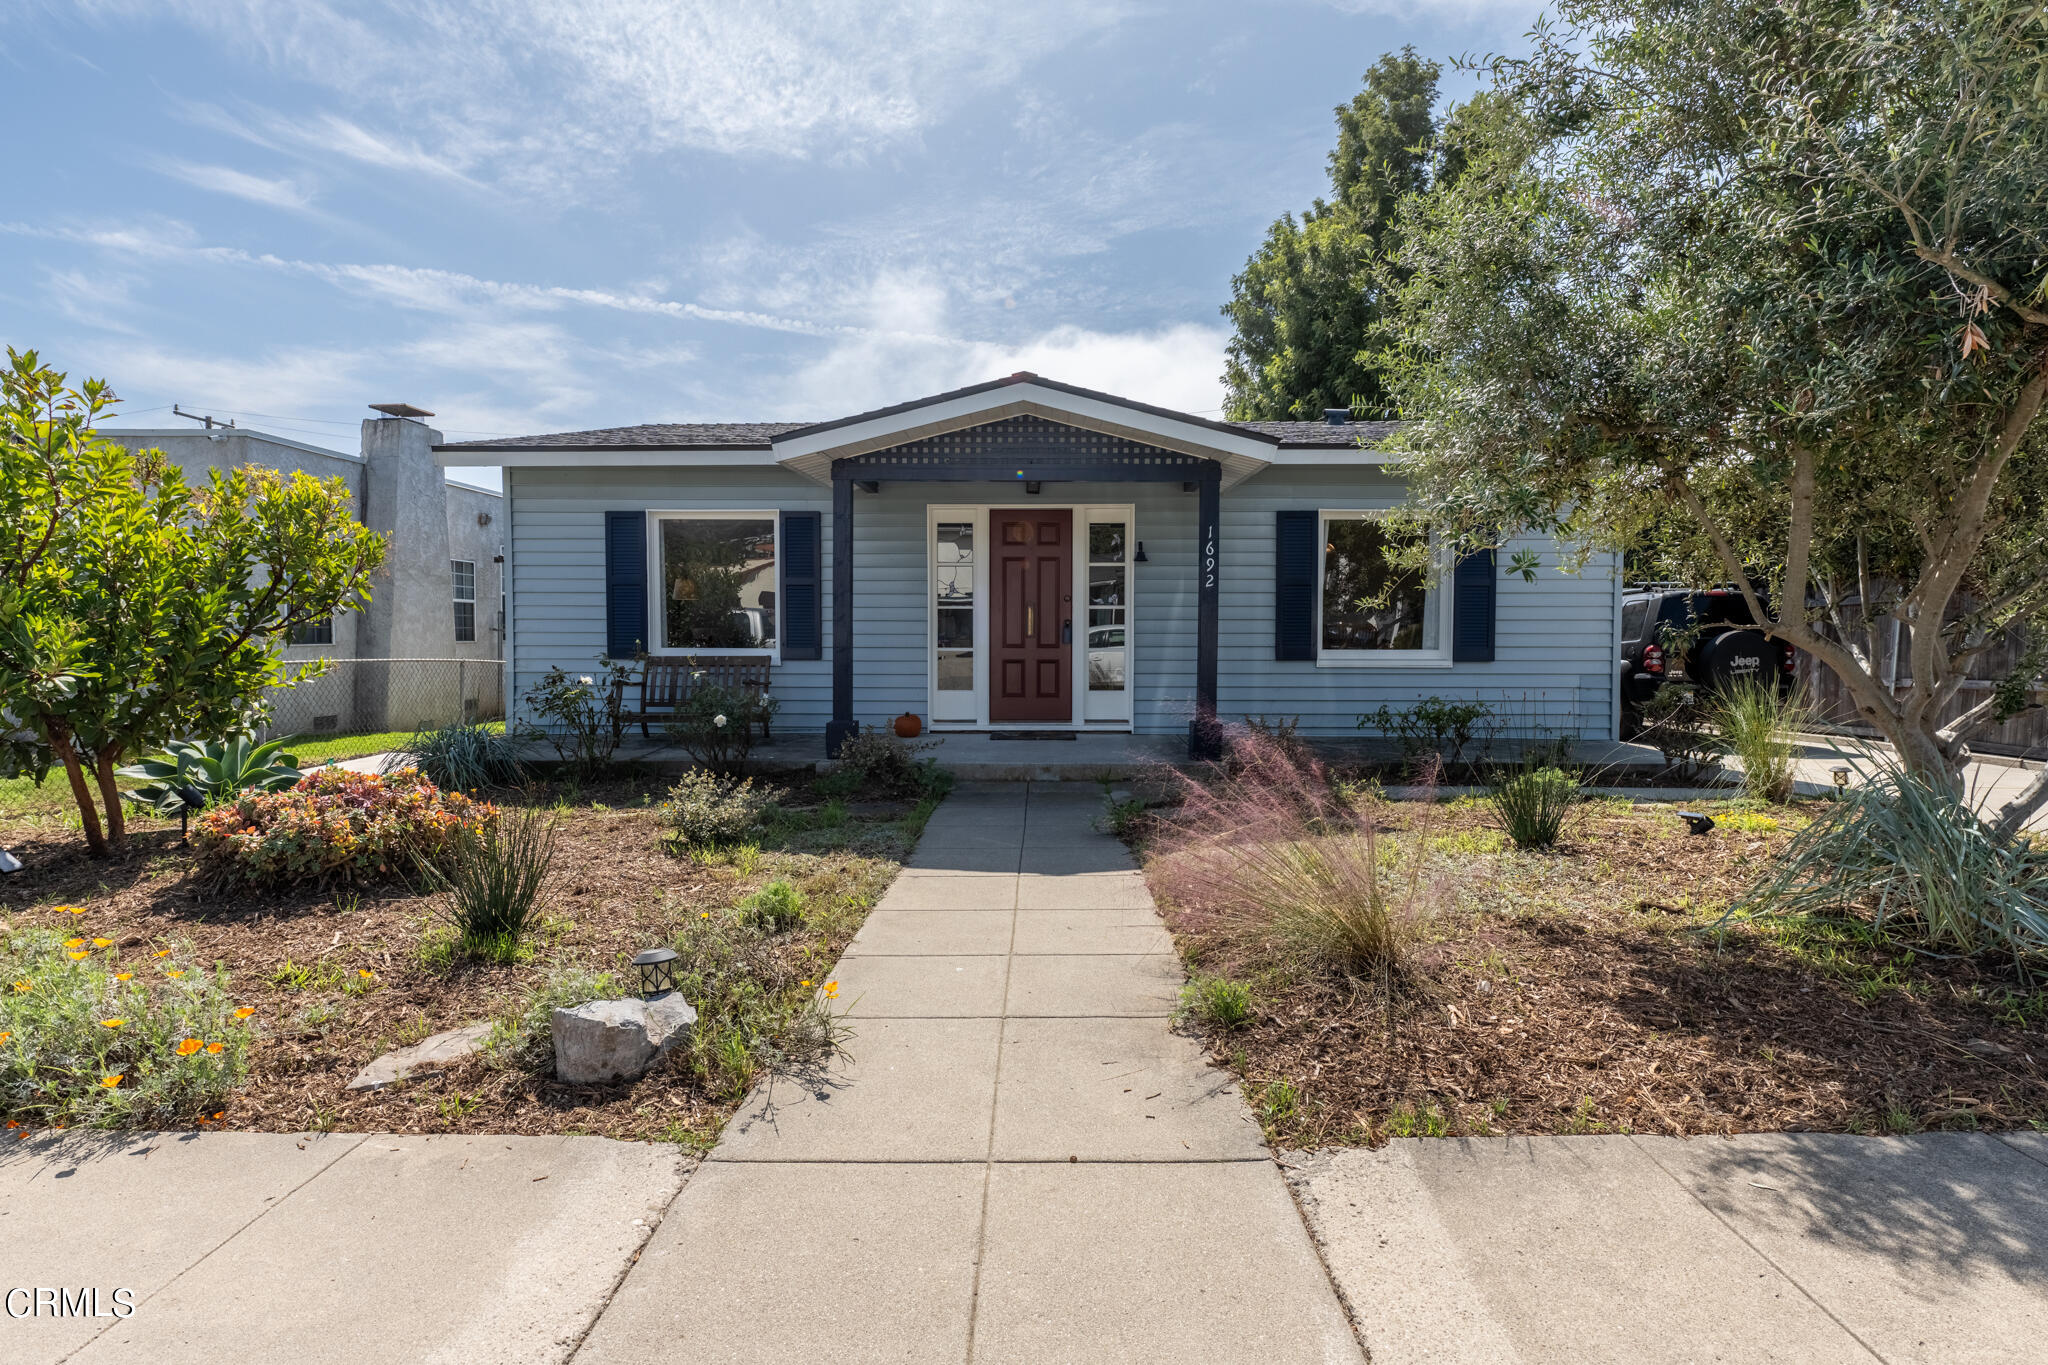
(1067,631)
(1030,620)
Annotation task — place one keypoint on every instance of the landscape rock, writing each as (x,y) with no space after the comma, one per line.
(442,1047)
(613,1040)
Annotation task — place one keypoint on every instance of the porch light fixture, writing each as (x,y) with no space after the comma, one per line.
(1139,558)
(657,968)
(1032,485)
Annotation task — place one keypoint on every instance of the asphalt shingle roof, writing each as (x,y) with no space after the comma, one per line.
(759,435)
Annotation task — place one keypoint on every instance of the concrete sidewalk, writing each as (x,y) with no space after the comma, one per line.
(1018,1162)
(258,1247)
(1794,1247)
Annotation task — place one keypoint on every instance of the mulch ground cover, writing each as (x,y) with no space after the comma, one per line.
(1596,988)
(339,975)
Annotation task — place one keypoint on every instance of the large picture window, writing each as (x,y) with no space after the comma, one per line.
(715,580)
(1372,610)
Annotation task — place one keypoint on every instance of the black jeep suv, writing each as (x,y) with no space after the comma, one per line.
(1726,647)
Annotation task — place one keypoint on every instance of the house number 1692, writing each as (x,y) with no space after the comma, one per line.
(1209,559)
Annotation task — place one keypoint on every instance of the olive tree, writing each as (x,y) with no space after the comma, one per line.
(135,607)
(1759,284)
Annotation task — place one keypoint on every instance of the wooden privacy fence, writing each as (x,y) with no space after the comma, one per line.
(2024,736)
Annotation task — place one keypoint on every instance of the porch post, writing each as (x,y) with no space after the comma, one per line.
(842,724)
(1205,732)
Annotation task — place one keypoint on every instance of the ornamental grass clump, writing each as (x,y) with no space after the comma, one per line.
(1915,860)
(1533,804)
(492,880)
(1262,848)
(1760,725)
(90,1040)
(336,826)
(464,757)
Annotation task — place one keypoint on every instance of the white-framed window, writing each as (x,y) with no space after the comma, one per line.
(712,581)
(463,572)
(1107,548)
(1371,612)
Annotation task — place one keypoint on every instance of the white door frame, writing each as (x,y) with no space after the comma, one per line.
(978,514)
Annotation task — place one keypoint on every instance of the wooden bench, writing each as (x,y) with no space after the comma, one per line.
(667,682)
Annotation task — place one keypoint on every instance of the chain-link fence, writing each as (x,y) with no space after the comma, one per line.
(370,696)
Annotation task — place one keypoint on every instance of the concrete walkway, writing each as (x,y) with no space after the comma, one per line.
(1017,1163)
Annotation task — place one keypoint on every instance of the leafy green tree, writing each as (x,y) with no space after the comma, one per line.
(135,608)
(1761,281)
(1306,303)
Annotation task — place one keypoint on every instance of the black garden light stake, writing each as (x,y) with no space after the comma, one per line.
(657,968)
(1841,776)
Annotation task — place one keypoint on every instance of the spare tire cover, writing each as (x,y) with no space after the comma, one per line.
(1735,656)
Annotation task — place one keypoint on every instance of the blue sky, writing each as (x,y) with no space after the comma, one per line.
(532,215)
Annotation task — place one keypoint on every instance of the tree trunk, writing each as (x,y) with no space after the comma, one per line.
(117,819)
(88,809)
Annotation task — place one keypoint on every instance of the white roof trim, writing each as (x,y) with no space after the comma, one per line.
(1241,455)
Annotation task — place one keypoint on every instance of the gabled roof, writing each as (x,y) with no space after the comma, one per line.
(809,448)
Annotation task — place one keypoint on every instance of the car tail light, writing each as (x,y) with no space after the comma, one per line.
(1653,658)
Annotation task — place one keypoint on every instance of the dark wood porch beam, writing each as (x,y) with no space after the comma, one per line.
(842,724)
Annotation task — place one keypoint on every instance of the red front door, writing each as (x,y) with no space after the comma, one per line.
(1031,673)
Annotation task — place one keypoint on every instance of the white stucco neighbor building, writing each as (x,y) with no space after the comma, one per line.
(426,648)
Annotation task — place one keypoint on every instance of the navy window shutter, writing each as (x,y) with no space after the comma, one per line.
(803,586)
(1294,585)
(1472,594)
(625,584)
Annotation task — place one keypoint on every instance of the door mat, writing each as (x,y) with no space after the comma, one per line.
(1031,734)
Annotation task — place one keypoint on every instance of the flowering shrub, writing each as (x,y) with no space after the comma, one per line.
(336,825)
(88,1039)
(706,809)
(582,715)
(715,723)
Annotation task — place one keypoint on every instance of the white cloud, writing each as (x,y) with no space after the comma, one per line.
(615,78)
(1175,367)
(277,194)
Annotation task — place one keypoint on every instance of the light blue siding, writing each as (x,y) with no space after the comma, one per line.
(1554,638)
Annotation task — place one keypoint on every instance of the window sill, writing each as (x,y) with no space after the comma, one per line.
(772,655)
(1338,661)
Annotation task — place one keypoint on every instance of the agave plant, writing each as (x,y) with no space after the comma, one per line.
(201,774)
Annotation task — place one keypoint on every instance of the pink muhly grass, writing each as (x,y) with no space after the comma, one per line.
(1263,846)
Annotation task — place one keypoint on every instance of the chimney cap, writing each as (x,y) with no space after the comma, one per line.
(1337,417)
(399,410)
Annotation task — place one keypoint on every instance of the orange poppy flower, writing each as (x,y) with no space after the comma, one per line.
(3,1038)
(70,909)
(214,1047)
(365,973)
(188,1046)
(112,1023)
(174,974)
(124,976)
(245,1011)
(110,1081)
(161,952)
(76,956)
(22,986)
(74,943)
(103,943)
